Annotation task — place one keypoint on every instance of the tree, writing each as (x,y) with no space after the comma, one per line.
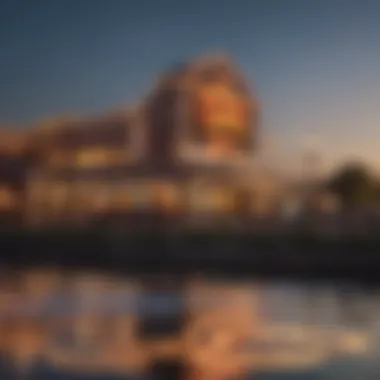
(354,184)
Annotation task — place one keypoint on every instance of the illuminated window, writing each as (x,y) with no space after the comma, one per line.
(55,199)
(221,199)
(59,158)
(118,194)
(90,197)
(167,196)
(36,198)
(88,157)
(7,198)
(222,111)
(211,199)
(102,198)
(58,194)
(85,194)
(140,194)
(121,198)
(199,200)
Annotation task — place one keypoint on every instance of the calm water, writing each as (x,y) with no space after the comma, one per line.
(329,306)
(340,305)
(348,369)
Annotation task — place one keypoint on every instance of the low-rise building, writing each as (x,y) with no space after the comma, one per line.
(14,165)
(183,154)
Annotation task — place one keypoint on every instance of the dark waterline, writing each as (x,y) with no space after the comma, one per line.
(230,254)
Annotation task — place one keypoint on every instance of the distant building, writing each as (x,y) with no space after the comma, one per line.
(183,153)
(74,175)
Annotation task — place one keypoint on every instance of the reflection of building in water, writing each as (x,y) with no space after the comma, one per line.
(109,325)
(221,319)
(100,333)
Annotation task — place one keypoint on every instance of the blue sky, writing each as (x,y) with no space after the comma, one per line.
(314,63)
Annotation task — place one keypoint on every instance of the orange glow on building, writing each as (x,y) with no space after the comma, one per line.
(222,108)
(223,117)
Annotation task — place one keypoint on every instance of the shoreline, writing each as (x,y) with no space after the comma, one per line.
(209,253)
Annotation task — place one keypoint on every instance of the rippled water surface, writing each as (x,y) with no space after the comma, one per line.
(330,307)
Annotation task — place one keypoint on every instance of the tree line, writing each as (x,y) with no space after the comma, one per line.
(355,185)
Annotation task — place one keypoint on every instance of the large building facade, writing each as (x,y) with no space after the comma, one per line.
(184,152)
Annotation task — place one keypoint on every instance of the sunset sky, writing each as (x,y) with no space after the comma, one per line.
(314,63)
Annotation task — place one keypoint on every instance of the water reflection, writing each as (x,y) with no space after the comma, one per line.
(347,319)
(307,331)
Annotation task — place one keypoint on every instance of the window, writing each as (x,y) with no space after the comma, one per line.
(102,197)
(58,158)
(58,195)
(168,196)
(121,197)
(7,198)
(85,194)
(140,194)
(211,199)
(94,156)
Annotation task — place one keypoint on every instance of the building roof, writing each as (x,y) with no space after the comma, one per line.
(69,132)
(13,142)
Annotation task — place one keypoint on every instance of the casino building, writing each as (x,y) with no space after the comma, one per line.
(183,154)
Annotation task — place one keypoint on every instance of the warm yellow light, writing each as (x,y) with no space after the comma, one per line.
(167,196)
(222,108)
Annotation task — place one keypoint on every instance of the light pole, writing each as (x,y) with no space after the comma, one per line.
(310,164)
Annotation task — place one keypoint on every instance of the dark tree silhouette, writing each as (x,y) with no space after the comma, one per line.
(354,184)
